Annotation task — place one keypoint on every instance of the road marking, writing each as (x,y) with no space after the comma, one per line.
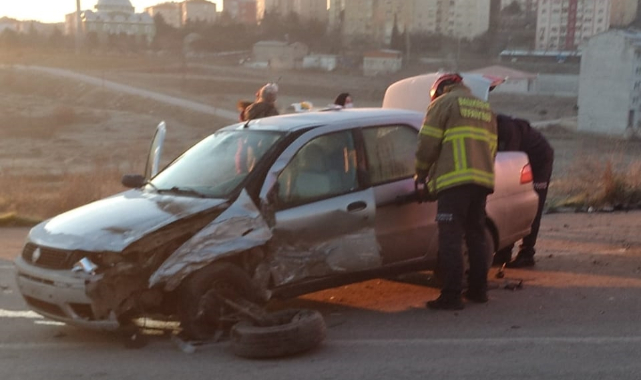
(50,346)
(490,341)
(49,323)
(19,314)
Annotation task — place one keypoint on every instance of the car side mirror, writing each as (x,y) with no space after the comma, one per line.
(133,180)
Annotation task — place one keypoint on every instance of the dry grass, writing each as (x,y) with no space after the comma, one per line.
(598,182)
(41,197)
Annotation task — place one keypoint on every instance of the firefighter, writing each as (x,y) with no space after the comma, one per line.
(457,147)
(518,135)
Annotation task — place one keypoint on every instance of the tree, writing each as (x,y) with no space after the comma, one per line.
(57,39)
(513,9)
(9,39)
(396,40)
(91,41)
(167,37)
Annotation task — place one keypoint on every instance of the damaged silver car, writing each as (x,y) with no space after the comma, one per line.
(271,208)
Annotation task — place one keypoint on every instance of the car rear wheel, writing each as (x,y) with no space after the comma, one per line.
(202,311)
(291,332)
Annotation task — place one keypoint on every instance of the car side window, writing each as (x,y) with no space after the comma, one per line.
(324,167)
(390,152)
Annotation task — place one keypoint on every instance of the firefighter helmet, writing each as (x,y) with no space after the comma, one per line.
(444,80)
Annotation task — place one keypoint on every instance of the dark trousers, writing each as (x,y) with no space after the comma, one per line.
(461,216)
(541,173)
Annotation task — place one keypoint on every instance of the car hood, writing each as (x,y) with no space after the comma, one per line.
(111,224)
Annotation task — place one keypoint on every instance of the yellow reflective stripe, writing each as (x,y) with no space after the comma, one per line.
(431,131)
(469,132)
(422,165)
(463,154)
(468,175)
(457,152)
(475,103)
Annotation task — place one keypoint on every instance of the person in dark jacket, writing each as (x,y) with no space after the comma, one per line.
(344,99)
(518,135)
(457,147)
(265,104)
(242,105)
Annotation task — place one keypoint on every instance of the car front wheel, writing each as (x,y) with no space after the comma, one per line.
(202,309)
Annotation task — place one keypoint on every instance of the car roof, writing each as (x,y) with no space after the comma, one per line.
(303,120)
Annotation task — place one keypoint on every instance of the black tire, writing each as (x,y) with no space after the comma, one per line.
(297,332)
(227,279)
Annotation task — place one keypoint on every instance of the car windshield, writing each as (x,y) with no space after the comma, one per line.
(217,165)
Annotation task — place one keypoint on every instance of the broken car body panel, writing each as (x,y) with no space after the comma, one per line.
(239,228)
(320,237)
(100,226)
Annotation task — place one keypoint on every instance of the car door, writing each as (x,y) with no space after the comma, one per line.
(405,229)
(323,217)
(155,151)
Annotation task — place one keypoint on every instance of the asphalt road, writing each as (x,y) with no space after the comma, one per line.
(576,317)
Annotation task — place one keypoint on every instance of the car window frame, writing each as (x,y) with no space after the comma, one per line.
(366,160)
(281,205)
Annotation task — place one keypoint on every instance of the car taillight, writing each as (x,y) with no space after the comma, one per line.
(526,174)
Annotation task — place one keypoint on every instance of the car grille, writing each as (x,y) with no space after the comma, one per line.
(51,258)
(44,306)
(83,311)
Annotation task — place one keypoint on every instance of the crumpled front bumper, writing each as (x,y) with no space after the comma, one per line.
(59,295)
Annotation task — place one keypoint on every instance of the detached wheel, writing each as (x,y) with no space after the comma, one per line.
(293,332)
(201,312)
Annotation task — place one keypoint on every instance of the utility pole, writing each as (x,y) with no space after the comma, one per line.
(78,27)
(458,52)
(407,43)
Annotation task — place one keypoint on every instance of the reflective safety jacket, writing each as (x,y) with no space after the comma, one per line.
(457,143)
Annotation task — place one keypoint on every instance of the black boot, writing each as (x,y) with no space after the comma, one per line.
(524,259)
(446,302)
(476,296)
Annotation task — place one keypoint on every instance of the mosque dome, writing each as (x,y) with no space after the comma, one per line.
(114,6)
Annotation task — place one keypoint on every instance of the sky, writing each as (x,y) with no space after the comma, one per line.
(55,10)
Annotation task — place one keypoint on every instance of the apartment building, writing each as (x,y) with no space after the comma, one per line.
(466,19)
(610,84)
(622,12)
(529,7)
(426,17)
(565,24)
(179,14)
(311,10)
(198,11)
(306,9)
(243,11)
(170,13)
(282,7)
